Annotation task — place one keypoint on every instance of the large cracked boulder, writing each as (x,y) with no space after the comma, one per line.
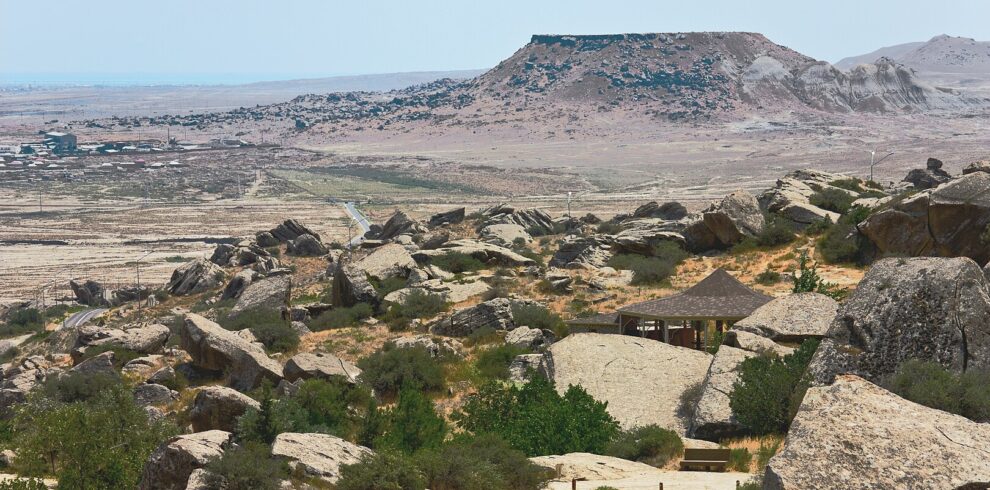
(495,314)
(317,455)
(790,197)
(267,295)
(672,210)
(238,284)
(642,236)
(791,318)
(504,235)
(931,309)
(738,215)
(485,252)
(854,434)
(351,286)
(389,260)
(713,419)
(930,176)
(901,229)
(319,365)
(214,348)
(170,466)
(218,407)
(195,277)
(398,224)
(641,379)
(147,339)
(578,252)
(90,293)
(291,229)
(534,221)
(306,245)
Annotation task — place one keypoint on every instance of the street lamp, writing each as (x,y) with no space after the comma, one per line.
(874,162)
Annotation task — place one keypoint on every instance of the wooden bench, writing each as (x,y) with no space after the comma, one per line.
(705,459)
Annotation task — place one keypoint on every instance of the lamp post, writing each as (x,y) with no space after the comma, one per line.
(137,270)
(874,162)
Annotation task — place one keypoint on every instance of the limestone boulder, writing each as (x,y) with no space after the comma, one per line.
(713,419)
(238,284)
(171,464)
(195,277)
(931,309)
(579,252)
(668,211)
(755,343)
(317,455)
(641,379)
(397,224)
(738,215)
(901,229)
(529,338)
(148,394)
(351,286)
(643,235)
(534,221)
(854,434)
(218,407)
(452,292)
(959,216)
(452,217)
(389,260)
(214,348)
(504,235)
(269,295)
(291,229)
(306,245)
(485,252)
(90,293)
(439,347)
(977,166)
(930,176)
(791,318)
(143,339)
(523,364)
(495,314)
(320,366)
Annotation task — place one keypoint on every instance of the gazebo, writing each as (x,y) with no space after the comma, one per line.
(691,317)
(599,323)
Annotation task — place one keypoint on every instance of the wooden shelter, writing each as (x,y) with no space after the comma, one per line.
(691,318)
(600,323)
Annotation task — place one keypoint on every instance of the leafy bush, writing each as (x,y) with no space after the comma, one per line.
(740,459)
(23,484)
(536,420)
(272,418)
(382,470)
(807,280)
(609,228)
(765,397)
(277,337)
(341,317)
(481,462)
(778,231)
(834,200)
(413,424)
(102,442)
(457,262)
(77,386)
(494,362)
(818,227)
(537,316)
(22,321)
(332,406)
(387,285)
(649,444)
(768,277)
(842,243)
(248,466)
(655,269)
(416,304)
(482,336)
(389,369)
(930,384)
(252,318)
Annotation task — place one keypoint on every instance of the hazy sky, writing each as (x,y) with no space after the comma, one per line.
(242,40)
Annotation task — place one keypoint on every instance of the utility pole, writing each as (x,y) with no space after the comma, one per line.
(137,267)
(874,162)
(568,205)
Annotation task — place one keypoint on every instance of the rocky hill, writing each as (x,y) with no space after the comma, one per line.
(676,76)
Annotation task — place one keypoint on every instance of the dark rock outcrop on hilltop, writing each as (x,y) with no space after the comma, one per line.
(89,293)
(398,224)
(291,229)
(669,210)
(930,176)
(931,309)
(534,221)
(195,277)
(949,220)
(452,217)
(855,434)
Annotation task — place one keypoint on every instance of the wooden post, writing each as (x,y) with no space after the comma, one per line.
(573,483)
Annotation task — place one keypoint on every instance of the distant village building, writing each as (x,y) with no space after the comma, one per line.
(61,143)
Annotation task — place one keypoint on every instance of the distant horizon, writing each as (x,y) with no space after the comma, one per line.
(231,42)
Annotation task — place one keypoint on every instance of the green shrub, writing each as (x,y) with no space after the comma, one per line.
(842,243)
(102,442)
(341,317)
(649,444)
(818,227)
(807,280)
(22,321)
(494,362)
(482,336)
(77,386)
(248,466)
(481,462)
(121,356)
(536,420)
(413,424)
(457,262)
(277,337)
(740,459)
(769,389)
(778,231)
(652,270)
(387,285)
(539,317)
(768,277)
(23,484)
(389,369)
(416,304)
(930,384)
(382,470)
(252,318)
(832,200)
(334,406)
(272,418)
(609,228)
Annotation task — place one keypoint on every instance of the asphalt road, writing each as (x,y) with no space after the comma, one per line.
(361,221)
(82,317)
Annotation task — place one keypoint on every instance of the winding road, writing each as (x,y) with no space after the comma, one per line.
(362,221)
(82,317)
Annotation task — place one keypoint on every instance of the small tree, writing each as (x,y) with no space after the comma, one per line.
(382,470)
(249,466)
(807,280)
(649,444)
(765,397)
(413,424)
(389,369)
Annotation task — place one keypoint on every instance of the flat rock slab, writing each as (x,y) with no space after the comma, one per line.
(641,379)
(319,365)
(854,434)
(317,455)
(791,318)
(389,260)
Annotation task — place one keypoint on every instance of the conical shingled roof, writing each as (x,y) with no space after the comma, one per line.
(718,296)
